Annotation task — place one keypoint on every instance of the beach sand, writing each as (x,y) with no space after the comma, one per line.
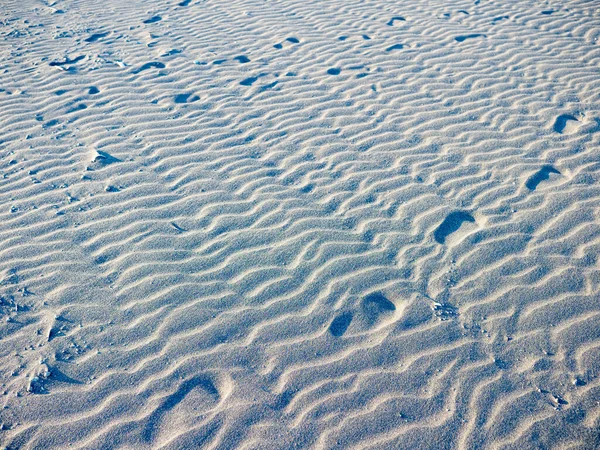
(277,224)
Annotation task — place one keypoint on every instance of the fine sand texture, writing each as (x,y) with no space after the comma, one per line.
(315,224)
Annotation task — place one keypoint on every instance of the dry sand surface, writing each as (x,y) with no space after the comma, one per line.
(277,224)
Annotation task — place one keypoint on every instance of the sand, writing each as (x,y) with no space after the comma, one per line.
(336,224)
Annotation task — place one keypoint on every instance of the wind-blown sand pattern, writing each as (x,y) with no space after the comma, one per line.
(285,224)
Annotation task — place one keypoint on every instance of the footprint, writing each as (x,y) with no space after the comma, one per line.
(468,36)
(539,176)
(185,2)
(268,86)
(340,324)
(242,59)
(96,36)
(150,65)
(50,123)
(79,107)
(451,223)
(59,377)
(561,122)
(396,19)
(249,81)
(292,40)
(104,158)
(186,98)
(171,52)
(498,19)
(203,382)
(376,304)
(93,90)
(548,12)
(394,47)
(153,19)
(66,61)
(334,71)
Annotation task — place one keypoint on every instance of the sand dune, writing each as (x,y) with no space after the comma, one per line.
(275,224)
